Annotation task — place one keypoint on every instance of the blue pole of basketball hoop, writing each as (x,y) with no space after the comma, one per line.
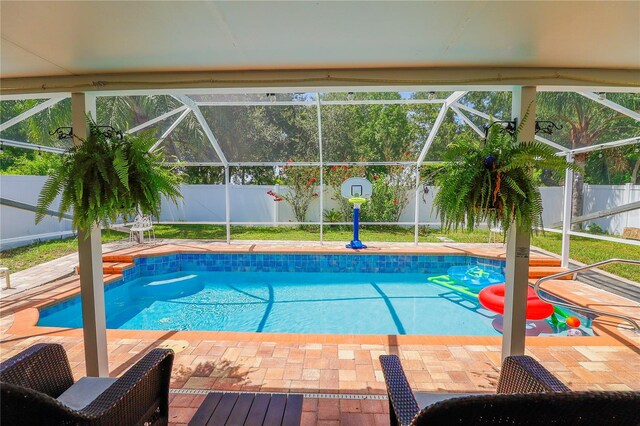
(356,243)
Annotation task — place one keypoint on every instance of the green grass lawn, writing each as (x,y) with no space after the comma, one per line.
(312,233)
(582,249)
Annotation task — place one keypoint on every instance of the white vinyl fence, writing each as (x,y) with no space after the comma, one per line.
(252,205)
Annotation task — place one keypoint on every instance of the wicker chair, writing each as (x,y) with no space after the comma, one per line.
(527,395)
(31,381)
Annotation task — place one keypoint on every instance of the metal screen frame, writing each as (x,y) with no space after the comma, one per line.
(451,103)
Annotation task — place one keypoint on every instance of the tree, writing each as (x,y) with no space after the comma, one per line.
(586,123)
(31,163)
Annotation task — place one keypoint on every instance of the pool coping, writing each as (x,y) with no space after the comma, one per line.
(26,319)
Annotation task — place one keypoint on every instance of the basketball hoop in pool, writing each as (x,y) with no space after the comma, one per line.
(357,191)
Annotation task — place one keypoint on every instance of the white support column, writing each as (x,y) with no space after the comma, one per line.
(566,215)
(417,210)
(321,170)
(227,202)
(518,244)
(90,255)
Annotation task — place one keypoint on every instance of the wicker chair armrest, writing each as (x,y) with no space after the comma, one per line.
(401,398)
(142,392)
(562,408)
(43,367)
(523,374)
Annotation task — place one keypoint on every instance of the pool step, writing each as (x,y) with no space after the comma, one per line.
(117,258)
(545,271)
(111,268)
(544,261)
(115,267)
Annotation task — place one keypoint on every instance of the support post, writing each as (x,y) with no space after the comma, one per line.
(518,244)
(227,203)
(566,215)
(90,255)
(515,297)
(417,209)
(321,169)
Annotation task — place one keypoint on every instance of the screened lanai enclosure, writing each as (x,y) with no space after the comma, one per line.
(279,157)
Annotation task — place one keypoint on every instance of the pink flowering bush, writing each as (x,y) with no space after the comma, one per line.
(301,183)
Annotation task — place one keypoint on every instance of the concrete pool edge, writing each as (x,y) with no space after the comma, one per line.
(25,321)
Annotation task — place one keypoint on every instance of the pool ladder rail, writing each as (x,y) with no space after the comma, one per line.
(536,289)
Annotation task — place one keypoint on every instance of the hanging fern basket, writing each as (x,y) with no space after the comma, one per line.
(493,182)
(107,177)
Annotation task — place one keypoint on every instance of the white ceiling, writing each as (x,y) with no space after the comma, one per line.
(73,38)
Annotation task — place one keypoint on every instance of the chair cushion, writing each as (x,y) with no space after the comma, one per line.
(424,399)
(84,391)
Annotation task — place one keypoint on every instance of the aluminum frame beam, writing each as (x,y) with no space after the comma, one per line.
(607,145)
(31,146)
(205,126)
(567,205)
(614,106)
(452,99)
(602,213)
(562,149)
(255,103)
(25,96)
(467,121)
(303,164)
(315,103)
(157,119)
(31,208)
(171,128)
(319,115)
(481,114)
(316,79)
(32,111)
(432,134)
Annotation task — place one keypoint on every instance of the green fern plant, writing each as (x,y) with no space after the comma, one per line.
(104,178)
(492,181)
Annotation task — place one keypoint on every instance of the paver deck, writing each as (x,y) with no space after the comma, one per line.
(334,365)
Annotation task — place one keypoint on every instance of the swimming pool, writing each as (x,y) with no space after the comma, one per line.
(318,294)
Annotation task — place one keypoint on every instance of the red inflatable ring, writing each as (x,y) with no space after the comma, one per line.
(492,298)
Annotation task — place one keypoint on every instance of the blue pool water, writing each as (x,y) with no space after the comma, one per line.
(265,300)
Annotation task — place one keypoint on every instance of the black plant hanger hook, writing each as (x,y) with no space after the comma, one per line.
(107,131)
(62,133)
(506,126)
(546,127)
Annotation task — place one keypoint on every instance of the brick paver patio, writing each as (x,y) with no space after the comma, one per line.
(336,365)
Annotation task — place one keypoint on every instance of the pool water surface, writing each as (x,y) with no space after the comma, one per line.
(295,302)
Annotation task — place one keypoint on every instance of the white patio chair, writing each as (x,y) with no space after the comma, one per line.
(141,224)
(4,272)
(495,232)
